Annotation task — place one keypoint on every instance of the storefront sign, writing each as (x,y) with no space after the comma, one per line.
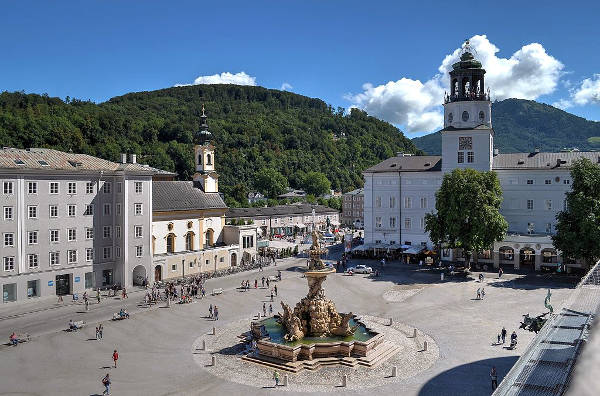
(77,279)
(50,283)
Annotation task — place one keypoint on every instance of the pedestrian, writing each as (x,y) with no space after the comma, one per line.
(498,338)
(263,281)
(271,295)
(60,300)
(503,333)
(479,293)
(276,377)
(264,309)
(124,293)
(275,289)
(100,330)
(216,311)
(98,295)
(106,383)
(270,309)
(210,311)
(97,332)
(260,268)
(500,272)
(256,283)
(115,357)
(267,283)
(494,376)
(482,292)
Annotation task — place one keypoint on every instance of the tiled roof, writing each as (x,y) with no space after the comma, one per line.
(43,158)
(542,160)
(413,163)
(182,195)
(278,210)
(358,191)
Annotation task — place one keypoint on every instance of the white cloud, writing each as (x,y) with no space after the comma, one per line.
(286,86)
(240,78)
(529,73)
(588,92)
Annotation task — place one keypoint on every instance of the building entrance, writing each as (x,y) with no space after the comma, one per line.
(157,273)
(527,257)
(63,284)
(107,277)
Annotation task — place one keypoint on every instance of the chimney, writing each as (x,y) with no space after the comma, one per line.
(123,158)
(537,150)
(133,159)
(496,152)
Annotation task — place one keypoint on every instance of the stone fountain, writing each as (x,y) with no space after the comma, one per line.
(314,315)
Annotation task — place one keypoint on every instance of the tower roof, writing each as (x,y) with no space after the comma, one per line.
(467,60)
(203,135)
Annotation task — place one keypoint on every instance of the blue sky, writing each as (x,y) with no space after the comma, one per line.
(326,49)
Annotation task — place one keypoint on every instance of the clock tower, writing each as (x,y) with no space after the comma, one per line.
(467,137)
(204,154)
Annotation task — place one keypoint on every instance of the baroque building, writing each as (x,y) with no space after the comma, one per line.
(399,191)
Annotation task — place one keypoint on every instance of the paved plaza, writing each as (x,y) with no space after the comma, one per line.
(160,348)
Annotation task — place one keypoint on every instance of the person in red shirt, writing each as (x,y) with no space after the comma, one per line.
(115,357)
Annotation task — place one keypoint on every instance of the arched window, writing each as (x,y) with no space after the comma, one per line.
(189,241)
(208,159)
(209,237)
(171,243)
(454,87)
(200,159)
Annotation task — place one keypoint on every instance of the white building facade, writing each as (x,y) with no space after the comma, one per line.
(399,191)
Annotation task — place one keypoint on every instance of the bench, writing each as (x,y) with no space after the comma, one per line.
(217,291)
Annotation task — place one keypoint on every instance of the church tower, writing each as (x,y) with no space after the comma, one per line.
(204,154)
(467,137)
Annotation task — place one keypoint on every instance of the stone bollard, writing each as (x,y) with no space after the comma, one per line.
(391,321)
(394,371)
(259,315)
(204,345)
(285,380)
(442,276)
(214,331)
(168,302)
(344,380)
(214,360)
(424,346)
(415,333)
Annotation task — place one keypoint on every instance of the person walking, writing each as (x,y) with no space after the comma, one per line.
(264,309)
(276,378)
(494,376)
(271,295)
(268,283)
(256,283)
(124,296)
(97,333)
(275,290)
(500,272)
(270,309)
(98,295)
(503,334)
(106,383)
(115,357)
(216,311)
(479,293)
(263,281)
(210,311)
(482,292)
(100,330)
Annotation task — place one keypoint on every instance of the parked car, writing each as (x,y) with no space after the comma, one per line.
(363,269)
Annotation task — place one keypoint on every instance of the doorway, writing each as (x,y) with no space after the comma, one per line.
(63,284)
(157,273)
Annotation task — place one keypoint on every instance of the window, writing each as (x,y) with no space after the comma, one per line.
(106,232)
(107,209)
(32,187)
(9,239)
(378,202)
(53,211)
(548,228)
(422,223)
(407,223)
(189,239)
(72,234)
(392,202)
(54,258)
(8,188)
(32,261)
(138,251)
(89,187)
(470,157)
(119,187)
(89,280)
(530,204)
(378,222)
(171,242)
(8,213)
(138,209)
(529,181)
(89,210)
(173,267)
(72,256)
(138,187)
(106,188)
(53,187)
(106,252)
(548,181)
(54,238)
(32,212)
(89,254)
(461,157)
(72,188)
(118,209)
(9,263)
(118,252)
(89,233)
(117,231)
(423,202)
(32,237)
(566,181)
(247,241)
(138,232)
(407,202)
(548,204)
(71,210)
(392,222)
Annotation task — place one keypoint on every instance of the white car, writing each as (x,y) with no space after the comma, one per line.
(361,269)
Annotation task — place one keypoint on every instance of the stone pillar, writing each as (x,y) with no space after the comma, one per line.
(538,261)
(516,258)
(496,256)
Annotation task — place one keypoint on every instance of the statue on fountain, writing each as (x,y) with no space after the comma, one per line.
(315,252)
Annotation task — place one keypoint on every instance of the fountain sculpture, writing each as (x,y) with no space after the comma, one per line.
(314,315)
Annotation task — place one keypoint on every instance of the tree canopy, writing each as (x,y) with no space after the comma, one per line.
(578,226)
(270,182)
(316,183)
(467,212)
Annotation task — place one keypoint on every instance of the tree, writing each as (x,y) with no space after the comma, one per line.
(316,183)
(239,192)
(468,212)
(578,227)
(270,182)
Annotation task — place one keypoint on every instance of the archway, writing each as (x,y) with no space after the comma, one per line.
(233,259)
(549,256)
(506,253)
(157,273)
(527,256)
(171,243)
(139,275)
(208,159)
(209,237)
(189,240)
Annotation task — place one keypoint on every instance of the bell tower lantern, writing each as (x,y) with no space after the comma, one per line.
(204,157)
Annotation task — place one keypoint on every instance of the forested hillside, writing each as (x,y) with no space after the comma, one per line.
(522,125)
(253,128)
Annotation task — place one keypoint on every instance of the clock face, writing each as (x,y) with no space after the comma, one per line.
(465,143)
(465,116)
(450,118)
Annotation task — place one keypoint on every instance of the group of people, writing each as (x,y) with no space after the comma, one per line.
(502,337)
(213,312)
(265,309)
(342,263)
(99,331)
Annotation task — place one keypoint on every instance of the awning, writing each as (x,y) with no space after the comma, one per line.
(359,248)
(394,246)
(380,246)
(414,250)
(405,246)
(300,225)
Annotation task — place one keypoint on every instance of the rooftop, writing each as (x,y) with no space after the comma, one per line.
(279,210)
(358,191)
(183,195)
(408,163)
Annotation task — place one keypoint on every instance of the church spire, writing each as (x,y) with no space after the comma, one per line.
(203,135)
(467,80)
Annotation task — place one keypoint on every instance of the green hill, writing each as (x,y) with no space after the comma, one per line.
(522,125)
(253,128)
